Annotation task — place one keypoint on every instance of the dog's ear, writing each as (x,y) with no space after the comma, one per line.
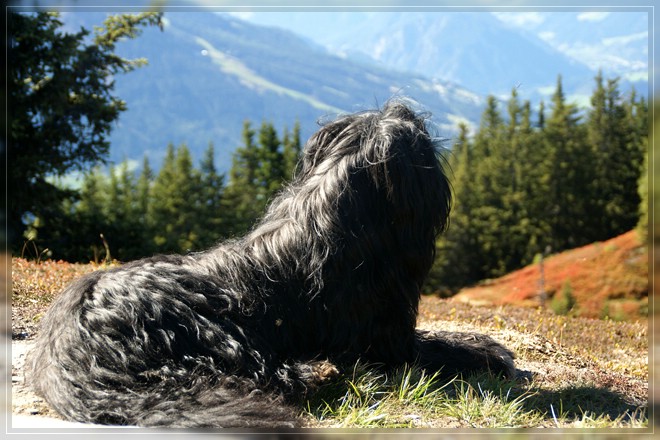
(350,138)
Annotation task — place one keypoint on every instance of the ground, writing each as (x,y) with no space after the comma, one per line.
(598,366)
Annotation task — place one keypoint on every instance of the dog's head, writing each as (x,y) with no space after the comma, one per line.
(384,165)
(365,207)
(373,186)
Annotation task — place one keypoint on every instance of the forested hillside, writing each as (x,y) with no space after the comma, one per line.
(531,180)
(527,185)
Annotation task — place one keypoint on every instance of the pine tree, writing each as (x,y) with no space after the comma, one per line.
(211,207)
(144,208)
(568,167)
(258,172)
(270,172)
(291,150)
(241,202)
(541,121)
(532,224)
(492,180)
(607,135)
(60,92)
(91,219)
(175,202)
(129,229)
(457,260)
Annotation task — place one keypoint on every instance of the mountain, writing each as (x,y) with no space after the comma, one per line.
(209,72)
(489,53)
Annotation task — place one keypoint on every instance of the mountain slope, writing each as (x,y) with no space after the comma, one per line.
(605,277)
(207,73)
(488,52)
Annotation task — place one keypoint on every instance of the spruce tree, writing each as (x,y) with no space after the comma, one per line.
(90,218)
(458,259)
(491,174)
(61,105)
(270,172)
(569,174)
(291,150)
(128,234)
(211,210)
(241,203)
(175,202)
(144,208)
(532,222)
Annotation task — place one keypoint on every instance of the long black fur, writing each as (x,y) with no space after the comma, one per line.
(235,336)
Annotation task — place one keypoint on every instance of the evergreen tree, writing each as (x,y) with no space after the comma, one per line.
(211,206)
(291,151)
(489,214)
(618,153)
(270,172)
(258,172)
(176,202)
(125,234)
(531,174)
(568,167)
(90,218)
(144,208)
(62,107)
(457,260)
(541,121)
(164,202)
(241,202)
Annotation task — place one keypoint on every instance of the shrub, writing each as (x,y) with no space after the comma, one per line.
(563,301)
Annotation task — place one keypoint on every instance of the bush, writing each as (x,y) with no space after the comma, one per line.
(564,301)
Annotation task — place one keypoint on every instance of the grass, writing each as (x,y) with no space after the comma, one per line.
(411,398)
(574,372)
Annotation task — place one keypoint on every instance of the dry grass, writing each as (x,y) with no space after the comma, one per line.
(34,285)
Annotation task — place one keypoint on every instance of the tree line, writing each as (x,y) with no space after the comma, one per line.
(526,186)
(121,214)
(523,185)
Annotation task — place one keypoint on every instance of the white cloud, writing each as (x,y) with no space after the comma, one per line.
(243,15)
(592,16)
(625,39)
(521,19)
(547,36)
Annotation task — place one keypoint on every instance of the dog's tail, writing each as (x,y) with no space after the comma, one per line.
(72,374)
(201,404)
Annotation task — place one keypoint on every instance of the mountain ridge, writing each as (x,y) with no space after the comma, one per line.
(208,73)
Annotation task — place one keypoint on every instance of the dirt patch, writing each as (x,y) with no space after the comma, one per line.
(23,400)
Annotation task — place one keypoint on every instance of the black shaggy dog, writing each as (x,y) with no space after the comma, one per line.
(236,335)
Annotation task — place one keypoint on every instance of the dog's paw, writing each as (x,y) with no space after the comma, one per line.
(324,371)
